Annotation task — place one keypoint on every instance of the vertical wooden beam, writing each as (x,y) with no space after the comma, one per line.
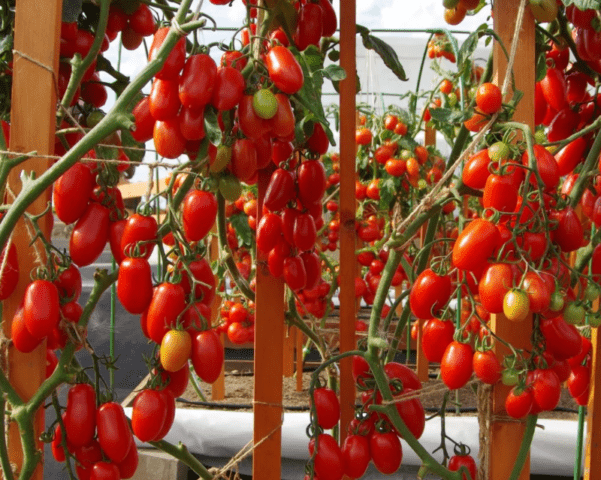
(347,209)
(289,341)
(37,34)
(269,350)
(592,456)
(505,437)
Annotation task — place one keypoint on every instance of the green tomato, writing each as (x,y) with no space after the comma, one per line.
(94,118)
(509,377)
(222,159)
(594,320)
(498,151)
(230,188)
(265,104)
(592,292)
(450,3)
(540,137)
(452,98)
(557,301)
(406,154)
(574,313)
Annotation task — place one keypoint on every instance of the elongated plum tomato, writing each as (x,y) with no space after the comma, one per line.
(456,365)
(475,244)
(90,235)
(430,292)
(176,58)
(328,459)
(41,308)
(207,355)
(148,414)
(168,301)
(72,191)
(134,285)
(80,415)
(114,434)
(197,81)
(284,70)
(199,213)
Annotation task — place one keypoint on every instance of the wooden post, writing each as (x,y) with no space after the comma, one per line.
(347,210)
(592,456)
(37,34)
(505,437)
(269,350)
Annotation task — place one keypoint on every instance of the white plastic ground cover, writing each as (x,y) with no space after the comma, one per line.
(222,434)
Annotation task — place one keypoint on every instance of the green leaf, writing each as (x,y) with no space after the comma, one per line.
(333,72)
(446,115)
(282,14)
(583,4)
(71,10)
(212,126)
(128,141)
(386,52)
(6,44)
(240,224)
(388,191)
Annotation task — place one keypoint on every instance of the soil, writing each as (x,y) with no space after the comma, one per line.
(239,396)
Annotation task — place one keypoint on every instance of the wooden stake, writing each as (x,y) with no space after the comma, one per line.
(505,437)
(269,351)
(289,341)
(592,456)
(37,34)
(347,210)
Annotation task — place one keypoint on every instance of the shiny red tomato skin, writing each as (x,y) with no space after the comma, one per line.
(500,193)
(229,88)
(163,101)
(170,417)
(144,121)
(328,459)
(178,381)
(386,452)
(311,181)
(114,434)
(355,452)
(168,301)
(72,191)
(562,339)
(546,389)
(475,244)
(294,273)
(283,123)
(176,58)
(244,159)
(467,461)
(518,404)
(327,407)
(412,413)
(304,232)
(201,271)
(168,139)
(10,274)
(430,293)
(207,355)
(495,282)
(284,70)
(318,142)
(487,367)
(280,191)
(90,235)
(197,82)
(547,167)
(22,340)
(105,471)
(199,214)
(312,264)
(80,415)
(253,126)
(309,27)
(570,156)
(569,232)
(436,336)
(269,231)
(330,22)
(191,124)
(407,376)
(149,413)
(134,285)
(554,88)
(475,172)
(68,283)
(139,228)
(129,466)
(41,308)
(456,365)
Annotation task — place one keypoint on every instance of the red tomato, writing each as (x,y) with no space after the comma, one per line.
(475,244)
(436,336)
(330,21)
(114,434)
(116,230)
(168,139)
(547,167)
(176,58)
(228,89)
(198,80)
(284,70)
(163,101)
(327,407)
(311,182)
(456,365)
(546,389)
(500,193)
(168,302)
(386,451)
(488,98)
(253,126)
(204,291)
(328,459)
(199,212)
(105,471)
(294,273)
(80,415)
(134,285)
(90,235)
(475,172)
(144,121)
(487,367)
(149,413)
(72,191)
(312,264)
(579,380)
(139,228)
(554,88)
(22,340)
(177,381)
(569,232)
(269,232)
(561,339)
(244,159)
(309,26)
(467,461)
(128,467)
(207,355)
(304,232)
(495,282)
(191,123)
(398,371)
(318,142)
(68,283)
(519,402)
(280,191)
(41,308)
(283,123)
(412,413)
(142,21)
(355,451)
(429,294)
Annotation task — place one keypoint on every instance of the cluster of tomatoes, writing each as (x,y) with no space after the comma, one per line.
(97,437)
(440,47)
(238,321)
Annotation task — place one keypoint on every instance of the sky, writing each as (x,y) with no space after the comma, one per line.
(374,14)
